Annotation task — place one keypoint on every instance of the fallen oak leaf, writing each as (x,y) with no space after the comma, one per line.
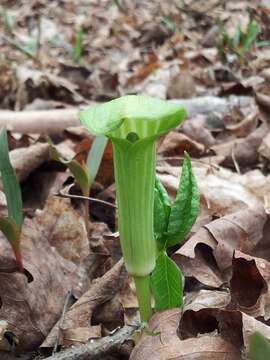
(250,285)
(80,314)
(26,160)
(214,244)
(245,150)
(223,191)
(208,313)
(32,302)
(168,345)
(64,228)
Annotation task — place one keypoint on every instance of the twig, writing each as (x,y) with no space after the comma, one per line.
(81,197)
(61,322)
(235,163)
(96,349)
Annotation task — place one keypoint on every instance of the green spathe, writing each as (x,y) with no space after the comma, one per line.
(144,115)
(134,123)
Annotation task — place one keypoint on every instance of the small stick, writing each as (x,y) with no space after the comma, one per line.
(96,349)
(61,322)
(235,163)
(81,197)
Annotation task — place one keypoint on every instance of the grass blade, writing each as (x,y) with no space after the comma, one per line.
(77,51)
(10,182)
(95,156)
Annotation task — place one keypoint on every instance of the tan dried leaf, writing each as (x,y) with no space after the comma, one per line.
(164,344)
(80,314)
(32,303)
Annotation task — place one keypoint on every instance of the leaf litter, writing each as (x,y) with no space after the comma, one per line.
(163,49)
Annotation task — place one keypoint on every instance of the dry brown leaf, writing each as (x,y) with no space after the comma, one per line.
(207,314)
(26,160)
(244,151)
(211,248)
(64,228)
(264,148)
(263,102)
(80,314)
(250,285)
(182,86)
(166,345)
(200,268)
(246,126)
(223,191)
(32,304)
(175,144)
(142,73)
(196,129)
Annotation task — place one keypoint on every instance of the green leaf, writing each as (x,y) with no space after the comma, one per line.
(162,208)
(146,116)
(166,284)
(259,347)
(79,171)
(10,182)
(11,231)
(185,208)
(236,39)
(95,156)
(251,35)
(77,52)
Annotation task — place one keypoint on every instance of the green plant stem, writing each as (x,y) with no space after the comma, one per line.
(143,292)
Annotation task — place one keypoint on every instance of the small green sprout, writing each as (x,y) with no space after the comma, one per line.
(84,174)
(11,225)
(134,123)
(78,47)
(241,42)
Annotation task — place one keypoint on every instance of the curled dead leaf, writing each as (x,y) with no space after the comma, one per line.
(207,256)
(80,314)
(26,160)
(250,285)
(166,345)
(32,302)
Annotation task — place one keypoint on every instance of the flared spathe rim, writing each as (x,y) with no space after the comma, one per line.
(145,116)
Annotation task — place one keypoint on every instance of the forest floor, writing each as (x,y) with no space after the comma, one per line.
(213,57)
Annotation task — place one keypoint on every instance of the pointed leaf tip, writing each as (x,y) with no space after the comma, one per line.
(185,208)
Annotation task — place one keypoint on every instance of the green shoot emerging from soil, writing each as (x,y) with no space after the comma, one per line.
(133,123)
(240,43)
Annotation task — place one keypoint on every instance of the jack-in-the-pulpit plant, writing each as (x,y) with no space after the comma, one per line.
(134,123)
